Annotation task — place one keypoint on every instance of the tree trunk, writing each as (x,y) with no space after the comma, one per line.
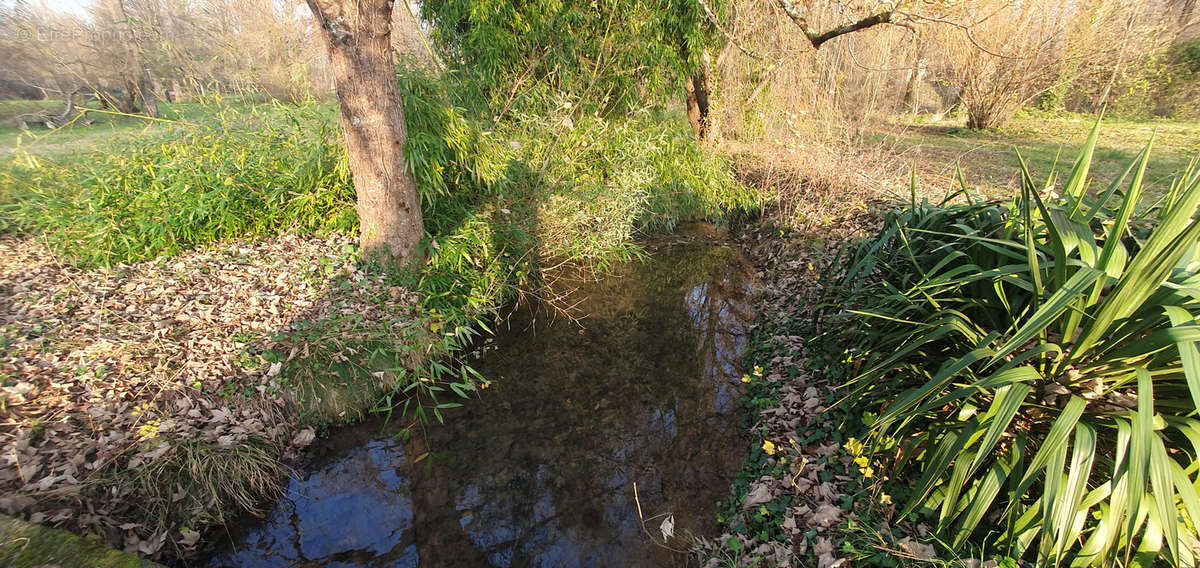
(105,98)
(912,102)
(697,99)
(912,88)
(356,34)
(131,98)
(144,87)
(146,93)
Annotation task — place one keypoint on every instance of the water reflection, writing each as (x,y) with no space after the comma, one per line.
(355,508)
(540,470)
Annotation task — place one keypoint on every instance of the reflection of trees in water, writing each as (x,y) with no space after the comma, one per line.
(354,510)
(539,471)
(720,310)
(643,392)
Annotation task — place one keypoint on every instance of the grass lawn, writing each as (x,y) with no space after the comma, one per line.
(989,162)
(75,140)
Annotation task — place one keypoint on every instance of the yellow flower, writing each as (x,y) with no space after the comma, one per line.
(143,408)
(758,371)
(147,431)
(862,461)
(769,447)
(745,378)
(853,446)
(867,472)
(885,499)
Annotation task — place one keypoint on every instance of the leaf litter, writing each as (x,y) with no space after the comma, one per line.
(790,269)
(111,376)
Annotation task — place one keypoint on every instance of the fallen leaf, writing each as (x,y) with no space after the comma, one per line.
(826,515)
(668,527)
(189,538)
(917,550)
(303,438)
(758,494)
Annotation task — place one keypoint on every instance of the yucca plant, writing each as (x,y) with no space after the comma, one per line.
(1034,365)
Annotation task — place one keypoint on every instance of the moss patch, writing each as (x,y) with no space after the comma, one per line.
(24,544)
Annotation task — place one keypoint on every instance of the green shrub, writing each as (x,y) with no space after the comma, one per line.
(505,201)
(603,181)
(248,171)
(498,199)
(1034,364)
(1180,88)
(607,56)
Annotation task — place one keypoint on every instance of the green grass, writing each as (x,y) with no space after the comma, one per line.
(989,161)
(12,108)
(241,172)
(78,139)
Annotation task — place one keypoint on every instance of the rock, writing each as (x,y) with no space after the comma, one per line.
(26,545)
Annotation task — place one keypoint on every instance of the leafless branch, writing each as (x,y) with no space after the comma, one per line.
(966,28)
(770,74)
(859,64)
(869,21)
(818,38)
(708,13)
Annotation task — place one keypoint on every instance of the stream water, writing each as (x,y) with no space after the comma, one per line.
(540,469)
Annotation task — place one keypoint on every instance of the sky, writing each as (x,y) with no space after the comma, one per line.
(78,7)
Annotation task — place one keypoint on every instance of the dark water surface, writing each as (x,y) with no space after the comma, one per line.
(540,469)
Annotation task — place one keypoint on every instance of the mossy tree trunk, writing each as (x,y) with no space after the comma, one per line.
(357,35)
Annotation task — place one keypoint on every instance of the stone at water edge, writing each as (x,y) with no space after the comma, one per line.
(26,545)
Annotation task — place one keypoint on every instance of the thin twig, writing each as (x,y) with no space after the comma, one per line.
(437,61)
(966,28)
(642,520)
(857,63)
(717,24)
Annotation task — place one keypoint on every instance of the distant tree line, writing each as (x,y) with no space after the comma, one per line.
(126,55)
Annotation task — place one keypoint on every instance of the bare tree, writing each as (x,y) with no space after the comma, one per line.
(357,36)
(145,81)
